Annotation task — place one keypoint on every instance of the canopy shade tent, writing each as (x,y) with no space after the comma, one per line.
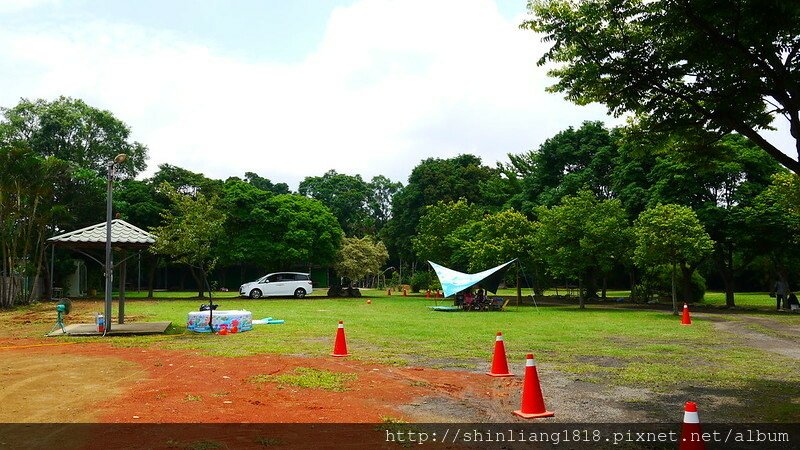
(453,281)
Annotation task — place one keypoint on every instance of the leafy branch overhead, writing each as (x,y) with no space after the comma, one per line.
(718,65)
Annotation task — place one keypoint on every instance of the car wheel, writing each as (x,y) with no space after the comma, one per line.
(255,293)
(299,293)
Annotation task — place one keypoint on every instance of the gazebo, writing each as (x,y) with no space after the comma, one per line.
(124,237)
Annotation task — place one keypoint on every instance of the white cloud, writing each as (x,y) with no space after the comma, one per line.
(390,84)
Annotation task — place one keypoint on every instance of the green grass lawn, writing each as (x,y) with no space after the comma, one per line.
(743,299)
(759,300)
(612,346)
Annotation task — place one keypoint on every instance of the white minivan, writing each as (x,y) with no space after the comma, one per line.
(278,284)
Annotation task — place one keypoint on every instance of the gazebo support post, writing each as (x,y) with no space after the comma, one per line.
(52,259)
(123,272)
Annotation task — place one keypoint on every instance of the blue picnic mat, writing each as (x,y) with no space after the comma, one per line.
(445,308)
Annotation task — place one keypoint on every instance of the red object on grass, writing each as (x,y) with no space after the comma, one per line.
(532,400)
(340,345)
(499,360)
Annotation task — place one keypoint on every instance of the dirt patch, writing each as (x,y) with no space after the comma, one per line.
(173,386)
(40,387)
(154,385)
(602,361)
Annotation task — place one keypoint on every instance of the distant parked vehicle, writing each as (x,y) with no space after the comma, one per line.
(278,284)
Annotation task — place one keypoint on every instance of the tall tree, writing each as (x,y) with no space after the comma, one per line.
(191,233)
(497,238)
(433,180)
(721,65)
(570,161)
(584,238)
(80,140)
(774,218)
(714,176)
(265,184)
(185,181)
(274,232)
(84,137)
(382,190)
(245,242)
(27,208)
(671,234)
(436,225)
(73,131)
(299,230)
(345,195)
(359,257)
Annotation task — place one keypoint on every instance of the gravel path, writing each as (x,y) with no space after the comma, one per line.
(774,343)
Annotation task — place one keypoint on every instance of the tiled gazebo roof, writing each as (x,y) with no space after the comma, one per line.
(123,234)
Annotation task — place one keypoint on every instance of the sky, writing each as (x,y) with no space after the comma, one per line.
(290,89)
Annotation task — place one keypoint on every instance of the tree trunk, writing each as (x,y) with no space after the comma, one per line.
(674,300)
(46,276)
(591,284)
(686,281)
(581,302)
(206,285)
(538,291)
(726,273)
(151,276)
(200,287)
(605,287)
(632,278)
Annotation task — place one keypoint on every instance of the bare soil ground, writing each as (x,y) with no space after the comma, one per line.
(45,380)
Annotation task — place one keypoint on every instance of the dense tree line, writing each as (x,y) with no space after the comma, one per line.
(587,205)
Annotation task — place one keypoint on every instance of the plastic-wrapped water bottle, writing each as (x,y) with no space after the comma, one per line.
(101,323)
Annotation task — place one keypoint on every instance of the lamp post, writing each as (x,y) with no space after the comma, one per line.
(110,166)
(383,274)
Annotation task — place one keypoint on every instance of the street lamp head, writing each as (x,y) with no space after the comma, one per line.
(121,158)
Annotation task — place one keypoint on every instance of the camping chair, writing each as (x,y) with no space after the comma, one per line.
(498,303)
(469,302)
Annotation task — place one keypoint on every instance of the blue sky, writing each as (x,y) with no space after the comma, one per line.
(290,89)
(279,30)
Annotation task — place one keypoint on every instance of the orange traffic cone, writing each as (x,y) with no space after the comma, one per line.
(340,346)
(532,401)
(690,430)
(499,361)
(686,320)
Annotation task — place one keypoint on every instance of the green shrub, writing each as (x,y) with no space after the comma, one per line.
(422,280)
(661,283)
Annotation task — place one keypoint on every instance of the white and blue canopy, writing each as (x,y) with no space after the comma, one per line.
(453,281)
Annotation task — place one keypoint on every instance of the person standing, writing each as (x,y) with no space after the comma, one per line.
(781,289)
